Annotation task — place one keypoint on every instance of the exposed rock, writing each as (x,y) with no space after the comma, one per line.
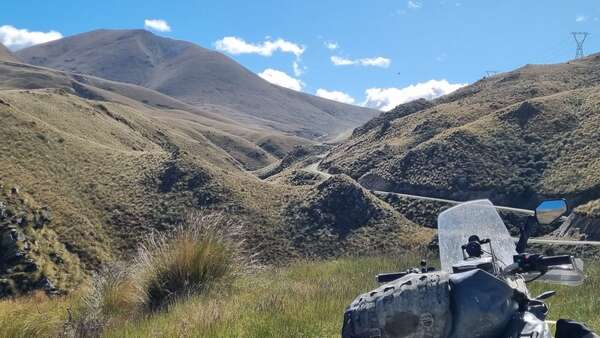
(580,226)
(23,249)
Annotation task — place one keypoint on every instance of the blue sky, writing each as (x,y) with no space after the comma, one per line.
(387,51)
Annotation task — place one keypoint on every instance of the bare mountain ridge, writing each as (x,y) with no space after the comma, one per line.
(206,79)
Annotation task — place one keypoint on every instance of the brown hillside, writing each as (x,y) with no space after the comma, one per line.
(515,138)
(204,78)
(89,167)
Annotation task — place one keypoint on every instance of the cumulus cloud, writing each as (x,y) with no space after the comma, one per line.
(281,79)
(580,18)
(374,62)
(388,98)
(335,95)
(331,45)
(236,46)
(16,39)
(158,25)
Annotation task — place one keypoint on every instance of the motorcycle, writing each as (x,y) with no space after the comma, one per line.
(481,289)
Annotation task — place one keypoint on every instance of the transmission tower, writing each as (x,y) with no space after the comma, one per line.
(579,39)
(489,73)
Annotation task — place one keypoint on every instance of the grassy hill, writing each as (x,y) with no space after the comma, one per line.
(108,163)
(201,77)
(515,138)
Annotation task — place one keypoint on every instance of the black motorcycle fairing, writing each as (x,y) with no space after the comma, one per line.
(570,329)
(482,304)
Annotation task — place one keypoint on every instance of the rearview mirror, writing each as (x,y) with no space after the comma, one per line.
(550,210)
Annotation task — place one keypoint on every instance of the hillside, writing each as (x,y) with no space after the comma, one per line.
(203,78)
(515,137)
(7,55)
(90,166)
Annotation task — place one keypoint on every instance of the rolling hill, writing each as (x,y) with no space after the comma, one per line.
(515,138)
(91,166)
(200,77)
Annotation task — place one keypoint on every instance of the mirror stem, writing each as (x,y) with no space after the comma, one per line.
(525,232)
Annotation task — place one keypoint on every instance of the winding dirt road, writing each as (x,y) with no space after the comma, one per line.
(314,168)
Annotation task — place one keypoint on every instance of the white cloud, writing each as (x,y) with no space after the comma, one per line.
(281,79)
(235,45)
(580,18)
(298,69)
(332,45)
(157,25)
(340,61)
(16,39)
(414,4)
(335,95)
(374,62)
(388,98)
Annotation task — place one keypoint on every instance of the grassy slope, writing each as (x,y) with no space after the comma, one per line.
(308,300)
(483,142)
(112,169)
(304,300)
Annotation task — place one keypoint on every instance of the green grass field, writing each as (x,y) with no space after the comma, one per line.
(303,300)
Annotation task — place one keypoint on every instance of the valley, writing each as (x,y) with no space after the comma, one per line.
(153,187)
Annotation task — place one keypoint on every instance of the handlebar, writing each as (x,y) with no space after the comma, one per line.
(555,260)
(537,263)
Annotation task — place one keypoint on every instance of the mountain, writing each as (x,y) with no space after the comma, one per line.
(7,55)
(515,138)
(91,166)
(206,79)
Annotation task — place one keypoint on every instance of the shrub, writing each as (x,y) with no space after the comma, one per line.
(204,250)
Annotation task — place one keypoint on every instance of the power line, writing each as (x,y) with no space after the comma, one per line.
(579,40)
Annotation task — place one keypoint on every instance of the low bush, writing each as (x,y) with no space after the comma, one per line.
(206,249)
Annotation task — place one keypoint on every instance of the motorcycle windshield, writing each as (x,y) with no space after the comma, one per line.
(480,218)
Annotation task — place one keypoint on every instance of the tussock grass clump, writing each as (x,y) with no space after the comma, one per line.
(204,250)
(113,298)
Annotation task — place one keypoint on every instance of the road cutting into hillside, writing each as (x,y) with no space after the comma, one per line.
(314,168)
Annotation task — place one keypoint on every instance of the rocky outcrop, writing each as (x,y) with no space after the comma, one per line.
(27,247)
(580,225)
